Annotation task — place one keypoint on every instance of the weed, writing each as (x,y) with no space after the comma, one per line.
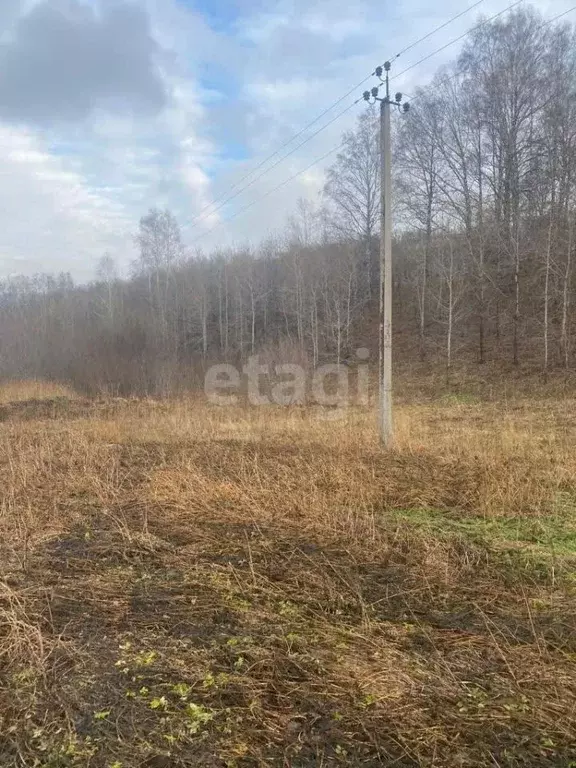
(182,584)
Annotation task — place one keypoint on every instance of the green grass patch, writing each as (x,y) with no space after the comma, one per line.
(553,534)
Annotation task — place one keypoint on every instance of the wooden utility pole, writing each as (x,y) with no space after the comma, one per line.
(386,428)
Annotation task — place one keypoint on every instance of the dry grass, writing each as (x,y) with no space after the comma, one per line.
(30,389)
(183,585)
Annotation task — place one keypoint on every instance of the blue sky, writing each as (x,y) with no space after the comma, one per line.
(110,107)
(221,14)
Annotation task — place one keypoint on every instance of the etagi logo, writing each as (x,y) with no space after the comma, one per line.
(329,385)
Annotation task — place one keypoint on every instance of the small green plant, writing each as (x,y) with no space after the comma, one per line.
(232,642)
(182,690)
(369,700)
(239,603)
(215,681)
(293,640)
(209,681)
(520,705)
(197,717)
(288,609)
(475,700)
(145,658)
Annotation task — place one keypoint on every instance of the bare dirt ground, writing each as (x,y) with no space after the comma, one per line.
(183,585)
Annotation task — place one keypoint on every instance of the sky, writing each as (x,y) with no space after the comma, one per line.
(111,107)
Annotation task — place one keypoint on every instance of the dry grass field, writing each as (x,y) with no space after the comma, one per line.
(185,585)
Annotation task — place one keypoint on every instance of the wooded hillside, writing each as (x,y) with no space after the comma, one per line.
(485,195)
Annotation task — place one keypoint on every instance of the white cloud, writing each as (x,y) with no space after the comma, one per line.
(70,193)
(51,220)
(279,100)
(233,93)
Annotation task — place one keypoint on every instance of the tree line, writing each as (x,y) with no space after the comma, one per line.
(485,206)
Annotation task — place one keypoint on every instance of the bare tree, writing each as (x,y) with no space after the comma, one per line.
(107,273)
(353,190)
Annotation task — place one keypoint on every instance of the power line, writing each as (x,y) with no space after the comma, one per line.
(442,26)
(446,80)
(281,160)
(457,39)
(334,149)
(280,148)
(270,192)
(564,13)
(329,109)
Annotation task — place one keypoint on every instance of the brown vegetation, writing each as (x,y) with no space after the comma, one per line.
(183,585)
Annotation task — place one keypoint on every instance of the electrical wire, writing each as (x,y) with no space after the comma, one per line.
(352,90)
(281,160)
(323,157)
(446,80)
(564,13)
(269,192)
(442,26)
(456,39)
